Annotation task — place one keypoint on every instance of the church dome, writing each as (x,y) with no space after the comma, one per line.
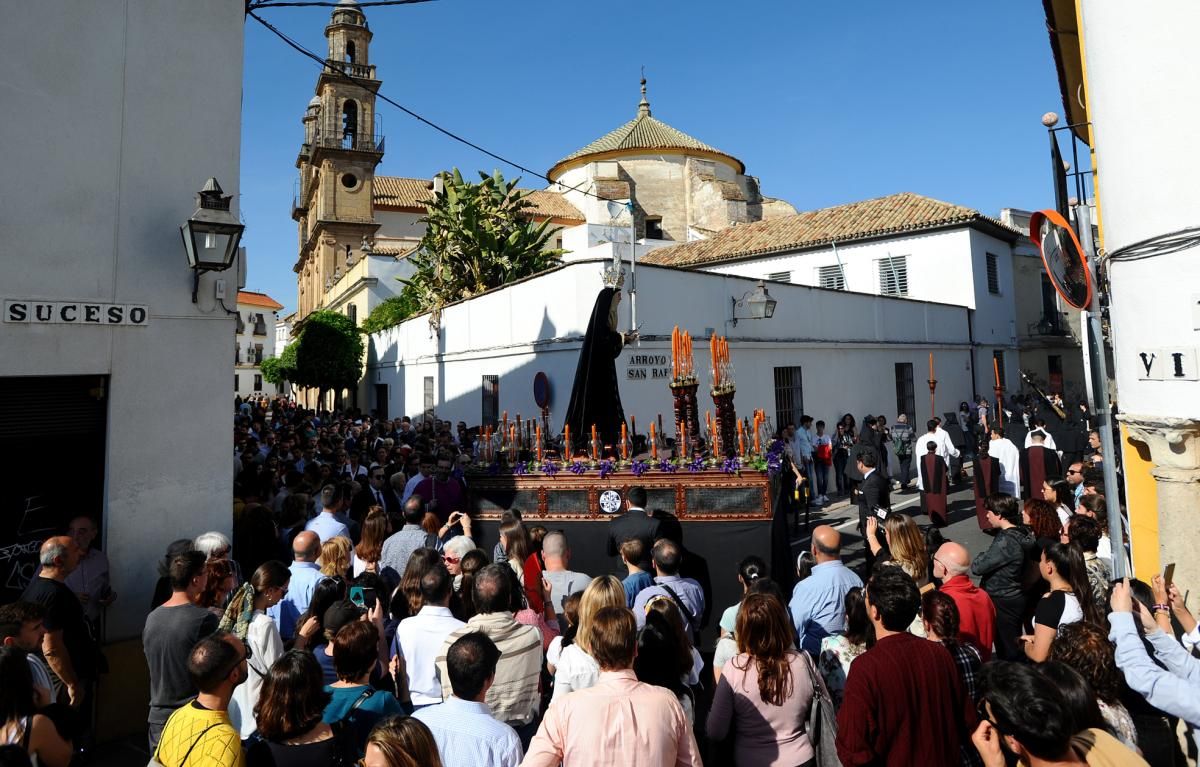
(641,134)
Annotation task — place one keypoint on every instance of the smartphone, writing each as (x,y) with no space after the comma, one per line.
(357,596)
(1169,575)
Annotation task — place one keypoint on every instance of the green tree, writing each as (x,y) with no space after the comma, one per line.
(392,311)
(478,236)
(272,371)
(327,353)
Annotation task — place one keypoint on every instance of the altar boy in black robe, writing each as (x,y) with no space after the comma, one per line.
(935,484)
(595,398)
(987,481)
(1038,463)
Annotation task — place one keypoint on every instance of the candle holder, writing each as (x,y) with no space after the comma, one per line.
(727,422)
(932,387)
(687,412)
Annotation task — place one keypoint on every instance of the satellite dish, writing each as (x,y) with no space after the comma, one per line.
(1063,257)
(541,390)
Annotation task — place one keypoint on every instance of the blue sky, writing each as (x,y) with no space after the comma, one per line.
(826,103)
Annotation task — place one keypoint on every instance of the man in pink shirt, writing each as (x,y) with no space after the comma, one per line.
(619,721)
(976,613)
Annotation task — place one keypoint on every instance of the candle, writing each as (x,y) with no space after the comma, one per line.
(741,439)
(931,366)
(996,370)
(757,446)
(567,442)
(595,447)
(653,443)
(624,442)
(538,432)
(683,449)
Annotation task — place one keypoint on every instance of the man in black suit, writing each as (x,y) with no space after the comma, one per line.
(376,493)
(873,494)
(634,523)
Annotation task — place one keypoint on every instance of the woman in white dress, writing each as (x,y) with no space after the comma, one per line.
(247,617)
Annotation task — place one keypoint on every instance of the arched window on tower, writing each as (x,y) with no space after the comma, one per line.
(350,51)
(349,124)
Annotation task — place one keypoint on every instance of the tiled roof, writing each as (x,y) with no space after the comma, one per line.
(644,132)
(251,298)
(415,193)
(894,214)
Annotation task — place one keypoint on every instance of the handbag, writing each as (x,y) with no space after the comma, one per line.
(822,720)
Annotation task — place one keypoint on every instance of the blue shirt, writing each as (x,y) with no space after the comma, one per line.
(328,526)
(688,591)
(305,577)
(634,583)
(1172,687)
(380,705)
(818,603)
(467,734)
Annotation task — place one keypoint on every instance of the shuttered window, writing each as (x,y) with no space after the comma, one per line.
(831,277)
(993,274)
(780,276)
(893,276)
(789,395)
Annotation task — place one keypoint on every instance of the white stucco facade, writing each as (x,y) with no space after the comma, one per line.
(847,346)
(255,340)
(94,195)
(948,266)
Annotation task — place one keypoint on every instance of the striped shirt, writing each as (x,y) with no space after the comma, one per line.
(513,696)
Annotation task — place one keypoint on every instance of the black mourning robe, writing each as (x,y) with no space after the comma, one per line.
(987,481)
(595,398)
(1038,463)
(935,486)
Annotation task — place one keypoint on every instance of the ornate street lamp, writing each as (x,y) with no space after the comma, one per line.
(211,236)
(758,304)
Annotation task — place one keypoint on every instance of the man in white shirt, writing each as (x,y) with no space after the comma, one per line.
(557,557)
(1003,450)
(420,638)
(946,449)
(463,726)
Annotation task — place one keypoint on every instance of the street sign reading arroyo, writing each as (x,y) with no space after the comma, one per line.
(1063,256)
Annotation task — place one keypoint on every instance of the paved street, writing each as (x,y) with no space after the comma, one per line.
(963,526)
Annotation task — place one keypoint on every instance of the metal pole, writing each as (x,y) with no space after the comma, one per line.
(841,269)
(1098,387)
(633,274)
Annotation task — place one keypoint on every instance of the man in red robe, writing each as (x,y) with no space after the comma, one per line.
(987,481)
(1038,464)
(934,483)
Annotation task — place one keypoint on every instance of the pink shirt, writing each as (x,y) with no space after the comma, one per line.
(763,734)
(620,722)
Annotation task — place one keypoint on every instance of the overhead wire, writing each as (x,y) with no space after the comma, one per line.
(424,120)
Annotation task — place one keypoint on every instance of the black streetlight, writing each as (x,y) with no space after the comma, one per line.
(758,303)
(211,236)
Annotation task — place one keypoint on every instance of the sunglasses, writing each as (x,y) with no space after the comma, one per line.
(451,560)
(1073,471)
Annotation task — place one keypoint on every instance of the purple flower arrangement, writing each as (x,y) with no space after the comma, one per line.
(696,465)
(607,467)
(731,465)
(775,457)
(666,467)
(578,468)
(549,468)
(521,468)
(639,467)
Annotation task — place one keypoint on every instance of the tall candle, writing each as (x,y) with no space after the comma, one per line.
(595,447)
(538,432)
(567,442)
(996,370)
(653,443)
(757,446)
(931,366)
(624,443)
(741,439)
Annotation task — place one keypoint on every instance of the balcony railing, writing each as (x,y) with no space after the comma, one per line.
(260,328)
(1051,324)
(361,71)
(336,137)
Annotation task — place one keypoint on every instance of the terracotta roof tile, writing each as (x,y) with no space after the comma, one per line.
(903,212)
(643,132)
(400,192)
(251,298)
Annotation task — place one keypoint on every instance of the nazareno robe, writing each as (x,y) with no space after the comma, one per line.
(595,398)
(987,481)
(1038,463)
(935,487)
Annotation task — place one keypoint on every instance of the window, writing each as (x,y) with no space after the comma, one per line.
(258,354)
(780,276)
(1054,366)
(257,383)
(831,277)
(349,124)
(654,230)
(998,359)
(350,51)
(906,396)
(993,274)
(789,395)
(352,313)
(236,381)
(893,276)
(491,400)
(428,396)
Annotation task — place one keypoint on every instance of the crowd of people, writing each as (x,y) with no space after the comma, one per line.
(352,618)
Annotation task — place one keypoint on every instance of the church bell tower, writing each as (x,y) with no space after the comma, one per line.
(337,161)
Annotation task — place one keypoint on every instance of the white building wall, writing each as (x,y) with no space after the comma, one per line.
(94,194)
(947,266)
(247,340)
(847,345)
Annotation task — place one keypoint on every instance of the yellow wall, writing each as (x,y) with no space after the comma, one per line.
(1141,498)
